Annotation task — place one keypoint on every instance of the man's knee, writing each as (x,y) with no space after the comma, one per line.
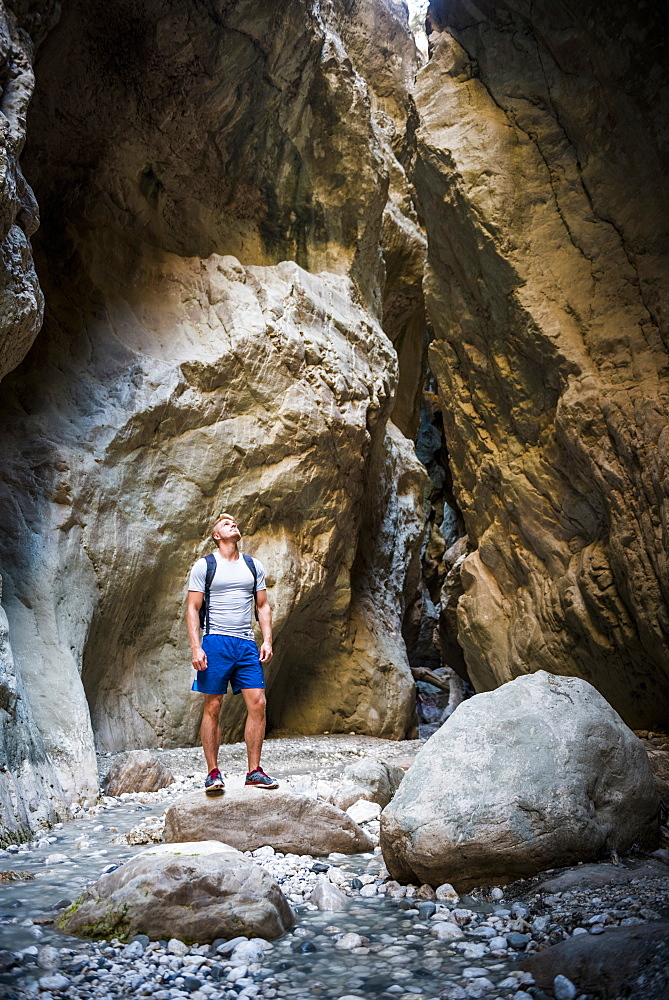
(255,701)
(212,706)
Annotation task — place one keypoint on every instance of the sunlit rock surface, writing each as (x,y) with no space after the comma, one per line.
(542,179)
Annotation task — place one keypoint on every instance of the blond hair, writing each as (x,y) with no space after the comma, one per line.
(221,517)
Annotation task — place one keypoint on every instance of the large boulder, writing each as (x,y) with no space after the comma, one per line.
(374,780)
(136,771)
(539,773)
(196,892)
(248,818)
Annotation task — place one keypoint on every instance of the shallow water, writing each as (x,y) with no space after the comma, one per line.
(403,957)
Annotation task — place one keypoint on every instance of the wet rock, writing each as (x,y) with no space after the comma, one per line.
(444,930)
(445,893)
(198,893)
(247,819)
(564,989)
(136,771)
(514,783)
(622,962)
(373,780)
(56,982)
(251,951)
(48,957)
(328,897)
(349,941)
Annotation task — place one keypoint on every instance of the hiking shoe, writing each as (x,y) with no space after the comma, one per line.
(259,779)
(213,783)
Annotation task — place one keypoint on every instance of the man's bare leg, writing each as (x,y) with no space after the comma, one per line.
(210,729)
(254,731)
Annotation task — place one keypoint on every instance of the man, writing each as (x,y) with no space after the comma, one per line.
(228,651)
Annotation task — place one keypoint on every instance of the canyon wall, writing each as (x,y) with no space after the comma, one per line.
(542,178)
(228,251)
(30,791)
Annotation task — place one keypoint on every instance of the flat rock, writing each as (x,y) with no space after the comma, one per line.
(537,774)
(363,811)
(603,874)
(630,962)
(199,896)
(248,818)
(136,771)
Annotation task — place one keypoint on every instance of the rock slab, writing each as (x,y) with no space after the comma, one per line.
(198,896)
(136,771)
(539,773)
(630,962)
(248,818)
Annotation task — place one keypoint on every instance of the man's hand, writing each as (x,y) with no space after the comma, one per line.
(199,659)
(266,653)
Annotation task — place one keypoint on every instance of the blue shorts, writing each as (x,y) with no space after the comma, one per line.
(229,659)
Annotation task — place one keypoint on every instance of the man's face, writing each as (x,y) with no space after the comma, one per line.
(226,530)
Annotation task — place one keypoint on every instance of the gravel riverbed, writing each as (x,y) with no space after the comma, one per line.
(393,942)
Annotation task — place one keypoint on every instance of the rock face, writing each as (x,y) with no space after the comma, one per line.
(136,771)
(21,299)
(373,780)
(541,772)
(542,178)
(207,894)
(188,365)
(249,818)
(29,789)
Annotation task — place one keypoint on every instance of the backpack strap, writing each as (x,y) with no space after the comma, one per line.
(252,566)
(211,570)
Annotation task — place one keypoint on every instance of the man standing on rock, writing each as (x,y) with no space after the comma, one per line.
(228,651)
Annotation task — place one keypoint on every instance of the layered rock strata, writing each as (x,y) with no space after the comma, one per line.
(542,178)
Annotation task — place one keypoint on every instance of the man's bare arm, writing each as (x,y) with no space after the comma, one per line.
(199,657)
(265,622)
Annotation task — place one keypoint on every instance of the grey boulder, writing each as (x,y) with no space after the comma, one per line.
(540,772)
(136,771)
(195,892)
(373,780)
(248,818)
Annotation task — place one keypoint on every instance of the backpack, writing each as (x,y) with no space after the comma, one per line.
(211,570)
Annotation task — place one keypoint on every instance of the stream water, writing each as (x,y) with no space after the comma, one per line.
(399,955)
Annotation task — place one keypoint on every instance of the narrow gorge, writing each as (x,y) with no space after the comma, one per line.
(390,284)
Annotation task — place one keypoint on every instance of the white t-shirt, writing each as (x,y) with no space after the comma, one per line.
(230,595)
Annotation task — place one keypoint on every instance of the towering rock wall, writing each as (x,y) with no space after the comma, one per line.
(542,178)
(217,257)
(30,791)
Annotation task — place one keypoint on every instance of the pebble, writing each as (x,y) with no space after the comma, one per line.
(564,989)
(56,982)
(446,893)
